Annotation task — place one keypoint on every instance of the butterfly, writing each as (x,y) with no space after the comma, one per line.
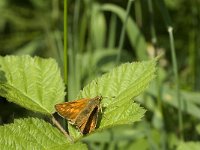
(82,113)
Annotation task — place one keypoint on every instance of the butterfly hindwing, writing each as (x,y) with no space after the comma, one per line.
(90,124)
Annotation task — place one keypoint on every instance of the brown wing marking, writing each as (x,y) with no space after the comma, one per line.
(87,111)
(70,110)
(90,124)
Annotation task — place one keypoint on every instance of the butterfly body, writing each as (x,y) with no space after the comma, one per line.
(82,113)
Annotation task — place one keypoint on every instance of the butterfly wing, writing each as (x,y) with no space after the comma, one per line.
(89,124)
(70,110)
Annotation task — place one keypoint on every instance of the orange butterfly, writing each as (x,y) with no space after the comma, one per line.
(82,113)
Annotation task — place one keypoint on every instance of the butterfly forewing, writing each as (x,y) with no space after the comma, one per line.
(70,110)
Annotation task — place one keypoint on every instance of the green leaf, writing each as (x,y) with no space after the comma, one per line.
(33,83)
(190,100)
(189,146)
(102,60)
(98,27)
(118,88)
(137,40)
(141,144)
(32,133)
(198,128)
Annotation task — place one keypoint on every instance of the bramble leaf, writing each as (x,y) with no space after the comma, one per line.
(32,133)
(118,88)
(33,83)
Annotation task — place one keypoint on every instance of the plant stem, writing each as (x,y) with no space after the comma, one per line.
(121,41)
(55,122)
(175,70)
(65,42)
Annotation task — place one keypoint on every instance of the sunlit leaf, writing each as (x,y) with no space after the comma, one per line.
(32,133)
(33,83)
(119,87)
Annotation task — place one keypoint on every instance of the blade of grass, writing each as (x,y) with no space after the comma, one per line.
(138,13)
(112,33)
(174,62)
(134,35)
(166,18)
(74,84)
(164,12)
(65,68)
(122,35)
(65,42)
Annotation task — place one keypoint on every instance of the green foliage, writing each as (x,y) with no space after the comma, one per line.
(33,83)
(189,146)
(189,99)
(198,128)
(98,27)
(35,28)
(36,84)
(32,133)
(136,38)
(119,87)
(31,27)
